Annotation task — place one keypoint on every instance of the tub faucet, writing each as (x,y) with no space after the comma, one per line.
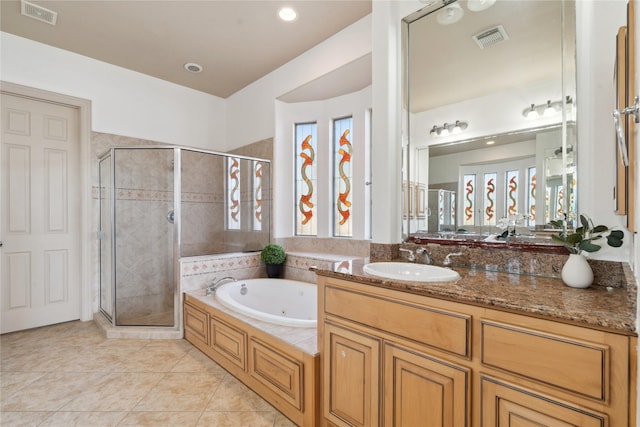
(447,259)
(426,255)
(216,284)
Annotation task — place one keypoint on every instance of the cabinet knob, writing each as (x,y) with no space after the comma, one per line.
(343,353)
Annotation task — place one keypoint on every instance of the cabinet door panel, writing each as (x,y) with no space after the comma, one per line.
(196,325)
(351,369)
(504,405)
(282,374)
(229,342)
(420,390)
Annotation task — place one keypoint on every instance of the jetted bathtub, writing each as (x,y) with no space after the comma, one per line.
(280,301)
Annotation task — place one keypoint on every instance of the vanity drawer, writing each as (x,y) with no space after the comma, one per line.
(578,366)
(277,371)
(229,342)
(435,327)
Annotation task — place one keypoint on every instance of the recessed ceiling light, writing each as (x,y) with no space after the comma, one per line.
(287,14)
(491,142)
(193,67)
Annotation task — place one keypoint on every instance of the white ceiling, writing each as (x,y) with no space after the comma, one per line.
(236,42)
(448,67)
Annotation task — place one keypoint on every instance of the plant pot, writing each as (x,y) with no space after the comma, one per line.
(577,272)
(274,271)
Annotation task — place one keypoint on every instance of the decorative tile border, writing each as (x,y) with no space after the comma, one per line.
(216,263)
(158,195)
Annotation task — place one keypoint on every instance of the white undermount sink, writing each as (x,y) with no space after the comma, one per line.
(411,272)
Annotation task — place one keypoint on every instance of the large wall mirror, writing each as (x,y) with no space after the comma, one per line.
(490,113)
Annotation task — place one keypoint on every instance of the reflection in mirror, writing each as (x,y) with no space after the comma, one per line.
(491,111)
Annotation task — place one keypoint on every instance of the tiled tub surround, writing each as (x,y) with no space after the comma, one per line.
(297,345)
(280,363)
(198,272)
(612,308)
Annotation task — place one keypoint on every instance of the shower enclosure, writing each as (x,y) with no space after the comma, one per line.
(158,204)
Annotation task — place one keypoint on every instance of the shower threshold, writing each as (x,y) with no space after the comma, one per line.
(136,332)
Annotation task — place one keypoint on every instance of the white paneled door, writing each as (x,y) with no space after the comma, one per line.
(39,214)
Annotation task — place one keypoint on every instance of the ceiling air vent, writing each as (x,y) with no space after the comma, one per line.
(491,37)
(38,12)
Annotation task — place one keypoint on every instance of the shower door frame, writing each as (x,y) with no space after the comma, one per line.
(177,197)
(177,226)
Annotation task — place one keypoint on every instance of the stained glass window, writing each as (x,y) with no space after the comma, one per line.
(257,194)
(531,196)
(469,199)
(233,193)
(342,177)
(512,192)
(489,205)
(306,179)
(453,209)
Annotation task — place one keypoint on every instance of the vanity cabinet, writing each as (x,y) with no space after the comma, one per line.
(394,358)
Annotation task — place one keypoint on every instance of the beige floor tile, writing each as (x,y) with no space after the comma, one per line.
(37,359)
(71,375)
(50,392)
(84,419)
(23,419)
(10,382)
(282,421)
(152,358)
(197,361)
(178,419)
(232,395)
(184,391)
(115,392)
(237,419)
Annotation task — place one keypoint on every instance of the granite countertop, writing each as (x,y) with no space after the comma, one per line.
(610,308)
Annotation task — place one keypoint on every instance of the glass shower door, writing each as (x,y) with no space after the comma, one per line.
(144,236)
(106,266)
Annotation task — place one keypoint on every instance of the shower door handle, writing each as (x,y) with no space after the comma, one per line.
(170,216)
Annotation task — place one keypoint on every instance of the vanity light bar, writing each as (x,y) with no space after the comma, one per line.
(448,128)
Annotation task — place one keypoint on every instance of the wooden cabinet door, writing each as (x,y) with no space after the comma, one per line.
(351,377)
(420,390)
(196,325)
(505,405)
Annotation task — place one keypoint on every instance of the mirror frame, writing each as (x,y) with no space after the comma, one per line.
(568,62)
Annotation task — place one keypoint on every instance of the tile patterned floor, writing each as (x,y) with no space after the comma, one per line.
(71,375)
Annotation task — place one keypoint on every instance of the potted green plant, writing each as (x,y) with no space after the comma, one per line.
(273,256)
(576,272)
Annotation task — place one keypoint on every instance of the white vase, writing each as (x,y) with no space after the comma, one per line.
(577,272)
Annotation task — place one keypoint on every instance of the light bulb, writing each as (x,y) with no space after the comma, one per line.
(549,110)
(479,5)
(450,14)
(530,113)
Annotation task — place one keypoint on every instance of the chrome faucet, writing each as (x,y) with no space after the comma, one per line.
(426,255)
(447,259)
(410,255)
(216,284)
